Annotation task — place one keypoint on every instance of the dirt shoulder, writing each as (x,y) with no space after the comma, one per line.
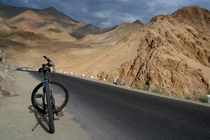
(20,121)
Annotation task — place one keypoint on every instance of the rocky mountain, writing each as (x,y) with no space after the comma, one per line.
(8,11)
(6,77)
(34,20)
(112,36)
(44,20)
(171,52)
(171,55)
(89,29)
(195,16)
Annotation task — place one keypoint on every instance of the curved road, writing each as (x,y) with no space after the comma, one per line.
(110,113)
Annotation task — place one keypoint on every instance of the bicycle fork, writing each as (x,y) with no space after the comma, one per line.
(51,95)
(59,114)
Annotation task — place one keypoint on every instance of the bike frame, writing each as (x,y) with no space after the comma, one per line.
(46,81)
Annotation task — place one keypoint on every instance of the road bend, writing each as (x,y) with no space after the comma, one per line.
(108,112)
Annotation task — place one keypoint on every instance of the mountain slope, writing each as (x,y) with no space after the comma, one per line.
(195,16)
(35,19)
(171,55)
(47,25)
(9,35)
(8,11)
(89,29)
(52,14)
(27,20)
(112,36)
(39,21)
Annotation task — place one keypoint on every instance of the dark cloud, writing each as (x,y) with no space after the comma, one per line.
(106,13)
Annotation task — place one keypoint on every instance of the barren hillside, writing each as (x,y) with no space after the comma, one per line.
(43,20)
(8,11)
(195,16)
(35,20)
(47,25)
(112,36)
(172,56)
(171,53)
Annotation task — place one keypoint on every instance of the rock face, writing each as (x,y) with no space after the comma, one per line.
(6,80)
(2,57)
(170,53)
(195,16)
(173,56)
(119,81)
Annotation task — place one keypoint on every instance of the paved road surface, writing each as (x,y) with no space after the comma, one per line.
(110,113)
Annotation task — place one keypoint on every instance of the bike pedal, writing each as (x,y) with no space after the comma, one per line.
(38,96)
(60,114)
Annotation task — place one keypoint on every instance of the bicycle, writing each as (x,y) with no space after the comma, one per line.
(43,95)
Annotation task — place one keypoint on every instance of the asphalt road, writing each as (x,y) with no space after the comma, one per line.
(110,113)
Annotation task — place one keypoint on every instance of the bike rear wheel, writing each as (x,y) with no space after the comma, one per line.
(60,94)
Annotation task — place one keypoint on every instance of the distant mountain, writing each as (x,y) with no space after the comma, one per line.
(138,22)
(113,35)
(170,54)
(37,20)
(56,15)
(89,29)
(8,11)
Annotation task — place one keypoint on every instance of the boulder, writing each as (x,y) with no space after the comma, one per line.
(119,81)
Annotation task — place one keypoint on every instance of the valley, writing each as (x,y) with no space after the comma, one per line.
(171,52)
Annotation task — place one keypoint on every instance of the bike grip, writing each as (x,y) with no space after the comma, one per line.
(47,58)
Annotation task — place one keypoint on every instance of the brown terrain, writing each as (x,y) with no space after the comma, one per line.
(171,52)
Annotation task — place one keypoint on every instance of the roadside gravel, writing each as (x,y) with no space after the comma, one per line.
(19,121)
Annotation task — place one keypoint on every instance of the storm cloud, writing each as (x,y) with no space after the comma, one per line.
(107,13)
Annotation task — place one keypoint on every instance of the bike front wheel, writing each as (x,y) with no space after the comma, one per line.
(50,109)
(60,96)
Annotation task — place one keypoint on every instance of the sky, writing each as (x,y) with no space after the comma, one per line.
(107,13)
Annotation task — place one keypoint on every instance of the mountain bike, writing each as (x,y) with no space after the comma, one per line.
(49,97)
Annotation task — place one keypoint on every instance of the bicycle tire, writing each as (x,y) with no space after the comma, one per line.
(59,108)
(50,110)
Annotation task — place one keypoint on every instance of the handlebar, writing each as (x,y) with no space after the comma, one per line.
(48,60)
(46,67)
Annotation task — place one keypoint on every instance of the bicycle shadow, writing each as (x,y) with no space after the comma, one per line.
(41,119)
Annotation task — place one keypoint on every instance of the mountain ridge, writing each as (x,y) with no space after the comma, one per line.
(11,11)
(8,11)
(195,15)
(46,17)
(171,52)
